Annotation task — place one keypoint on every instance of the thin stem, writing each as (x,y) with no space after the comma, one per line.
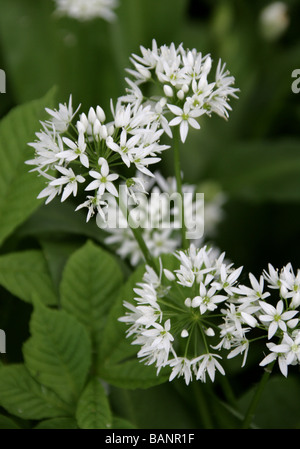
(228,392)
(139,238)
(257,395)
(202,405)
(177,168)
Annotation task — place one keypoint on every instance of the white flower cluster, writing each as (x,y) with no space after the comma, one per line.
(89,151)
(269,308)
(185,318)
(86,154)
(87,9)
(184,91)
(175,315)
(159,215)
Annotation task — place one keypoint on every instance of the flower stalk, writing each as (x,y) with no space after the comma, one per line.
(177,169)
(257,396)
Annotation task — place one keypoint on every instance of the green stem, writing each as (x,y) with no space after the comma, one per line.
(202,405)
(257,395)
(139,238)
(177,167)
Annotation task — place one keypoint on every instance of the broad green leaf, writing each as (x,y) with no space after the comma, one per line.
(57,249)
(26,275)
(58,423)
(8,423)
(120,423)
(18,187)
(160,407)
(57,217)
(93,409)
(89,287)
(118,363)
(58,354)
(23,396)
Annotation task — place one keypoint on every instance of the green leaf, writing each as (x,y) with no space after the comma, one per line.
(120,423)
(93,410)
(8,423)
(57,249)
(58,354)
(18,187)
(57,217)
(90,284)
(26,275)
(118,362)
(160,407)
(58,423)
(24,397)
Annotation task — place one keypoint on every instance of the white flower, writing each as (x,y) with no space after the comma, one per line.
(93,203)
(256,292)
(160,335)
(76,150)
(272,277)
(141,160)
(70,179)
(181,366)
(50,191)
(290,285)
(103,180)
(184,118)
(241,346)
(47,148)
(218,101)
(239,315)
(87,10)
(149,315)
(61,119)
(288,353)
(276,317)
(274,20)
(207,299)
(134,186)
(228,279)
(126,147)
(209,364)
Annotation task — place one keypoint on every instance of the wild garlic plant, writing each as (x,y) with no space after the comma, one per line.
(191,310)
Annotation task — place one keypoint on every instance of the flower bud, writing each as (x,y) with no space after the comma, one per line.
(168,90)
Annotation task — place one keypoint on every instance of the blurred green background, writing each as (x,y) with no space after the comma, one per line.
(254,157)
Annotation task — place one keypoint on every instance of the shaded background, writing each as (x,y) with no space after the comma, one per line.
(254,157)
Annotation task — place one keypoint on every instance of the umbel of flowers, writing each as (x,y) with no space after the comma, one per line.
(88,152)
(191,317)
(185,86)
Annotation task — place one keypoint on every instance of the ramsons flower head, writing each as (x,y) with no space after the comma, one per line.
(86,151)
(185,88)
(201,312)
(175,316)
